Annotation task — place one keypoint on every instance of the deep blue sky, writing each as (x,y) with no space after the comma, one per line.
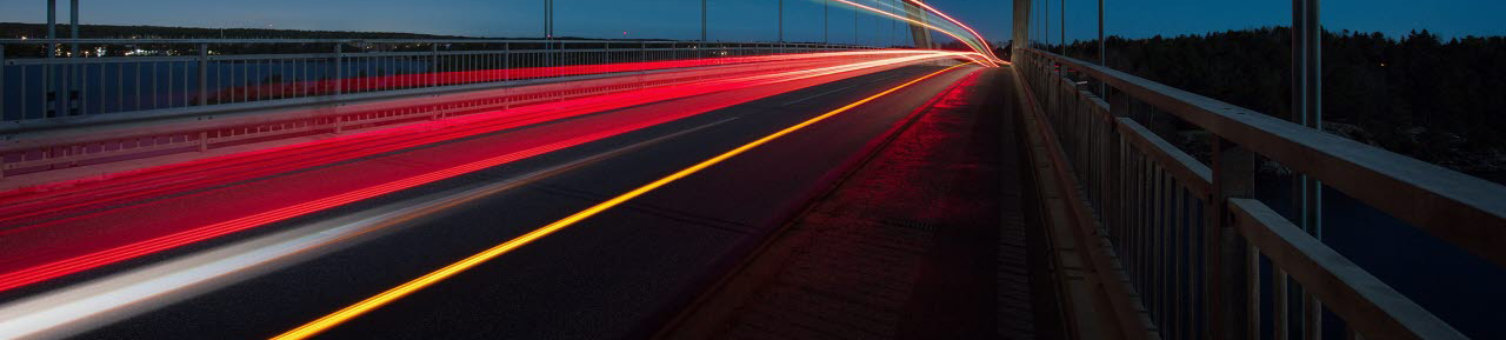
(755,19)
(1142,18)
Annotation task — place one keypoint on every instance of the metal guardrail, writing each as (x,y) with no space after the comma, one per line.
(138,75)
(1192,242)
(269,88)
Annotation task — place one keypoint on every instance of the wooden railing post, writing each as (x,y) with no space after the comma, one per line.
(1114,178)
(1233,176)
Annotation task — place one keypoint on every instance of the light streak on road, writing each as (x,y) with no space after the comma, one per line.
(18,206)
(193,234)
(374,302)
(427,79)
(80,308)
(986,49)
(989,61)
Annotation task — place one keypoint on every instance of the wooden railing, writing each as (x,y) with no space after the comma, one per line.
(1191,239)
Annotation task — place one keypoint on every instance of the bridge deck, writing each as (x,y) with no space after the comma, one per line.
(909,245)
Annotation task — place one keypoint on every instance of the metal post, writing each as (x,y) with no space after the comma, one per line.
(1064,27)
(825,21)
(203,74)
(2,99)
(73,70)
(50,108)
(1103,59)
(52,25)
(548,18)
(1307,110)
(703,20)
(1311,114)
(434,64)
(781,23)
(73,25)
(339,68)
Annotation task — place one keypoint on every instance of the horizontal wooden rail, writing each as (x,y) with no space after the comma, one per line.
(1191,242)
(1467,211)
(1362,300)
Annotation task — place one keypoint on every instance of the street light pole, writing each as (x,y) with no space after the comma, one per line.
(52,25)
(52,49)
(781,21)
(73,24)
(1103,59)
(73,70)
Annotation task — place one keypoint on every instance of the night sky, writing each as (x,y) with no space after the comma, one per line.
(753,20)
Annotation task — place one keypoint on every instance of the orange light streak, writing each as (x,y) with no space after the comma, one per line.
(374,302)
(959,24)
(989,61)
(67,266)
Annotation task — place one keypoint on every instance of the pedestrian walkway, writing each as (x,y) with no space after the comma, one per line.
(924,240)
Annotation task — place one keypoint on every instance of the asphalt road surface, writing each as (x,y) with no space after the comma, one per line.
(621,273)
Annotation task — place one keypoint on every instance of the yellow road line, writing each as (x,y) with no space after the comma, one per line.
(347,313)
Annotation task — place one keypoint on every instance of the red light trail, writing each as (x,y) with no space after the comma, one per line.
(989,61)
(121,240)
(16,207)
(334,319)
(986,49)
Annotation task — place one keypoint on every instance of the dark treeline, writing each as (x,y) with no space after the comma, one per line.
(1437,100)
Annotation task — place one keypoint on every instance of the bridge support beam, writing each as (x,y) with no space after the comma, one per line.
(1020,34)
(919,34)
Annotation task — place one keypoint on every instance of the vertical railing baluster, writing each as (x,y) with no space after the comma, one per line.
(1163,246)
(1252,292)
(2,101)
(203,74)
(1279,301)
(1233,176)
(99,83)
(1178,233)
(339,76)
(1312,327)
(155,87)
(1142,225)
